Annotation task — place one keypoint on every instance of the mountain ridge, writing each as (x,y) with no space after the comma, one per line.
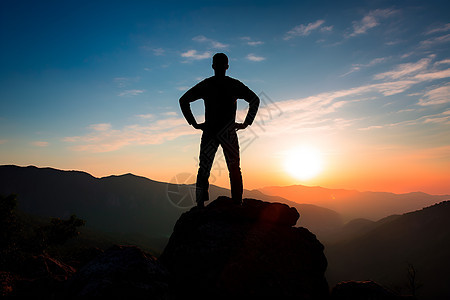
(353,204)
(126,204)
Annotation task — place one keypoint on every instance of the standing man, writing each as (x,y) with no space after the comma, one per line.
(220,94)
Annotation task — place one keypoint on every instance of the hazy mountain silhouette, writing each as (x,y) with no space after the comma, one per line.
(128,206)
(351,204)
(382,251)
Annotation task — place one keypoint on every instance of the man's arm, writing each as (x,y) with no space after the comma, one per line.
(253,101)
(185,100)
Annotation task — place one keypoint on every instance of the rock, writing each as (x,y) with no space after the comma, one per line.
(363,290)
(40,276)
(123,272)
(227,250)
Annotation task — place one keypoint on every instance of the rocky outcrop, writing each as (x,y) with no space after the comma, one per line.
(123,272)
(252,250)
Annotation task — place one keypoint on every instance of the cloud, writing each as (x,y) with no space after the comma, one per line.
(406,69)
(182,88)
(158,51)
(357,67)
(193,54)
(125,81)
(170,114)
(371,20)
(435,41)
(39,144)
(109,139)
(3,142)
(100,127)
(440,95)
(303,30)
(442,28)
(213,43)
(253,57)
(255,43)
(146,116)
(128,93)
(327,28)
(322,111)
(442,62)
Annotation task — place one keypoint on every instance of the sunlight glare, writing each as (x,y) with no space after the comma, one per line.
(303,162)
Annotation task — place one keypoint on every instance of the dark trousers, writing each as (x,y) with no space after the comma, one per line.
(228,139)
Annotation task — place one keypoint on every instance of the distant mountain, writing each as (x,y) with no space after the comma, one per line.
(352,204)
(382,251)
(127,205)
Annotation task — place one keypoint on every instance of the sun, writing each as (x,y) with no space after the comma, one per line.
(303,162)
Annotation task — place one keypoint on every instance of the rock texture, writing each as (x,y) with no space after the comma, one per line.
(37,276)
(253,250)
(364,290)
(123,272)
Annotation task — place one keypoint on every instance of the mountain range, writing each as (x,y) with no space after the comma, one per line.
(379,242)
(352,204)
(127,205)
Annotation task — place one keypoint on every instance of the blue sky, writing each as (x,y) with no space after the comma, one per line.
(94,85)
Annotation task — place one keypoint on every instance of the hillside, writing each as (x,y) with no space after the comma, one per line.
(383,252)
(351,204)
(127,206)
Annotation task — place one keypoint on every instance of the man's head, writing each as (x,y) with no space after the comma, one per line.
(220,62)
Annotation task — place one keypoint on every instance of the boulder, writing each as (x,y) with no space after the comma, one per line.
(250,250)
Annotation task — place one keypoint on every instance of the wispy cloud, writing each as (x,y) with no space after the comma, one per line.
(249,41)
(255,43)
(122,82)
(440,95)
(100,127)
(212,43)
(357,67)
(129,93)
(109,139)
(442,28)
(3,142)
(253,57)
(193,54)
(371,20)
(442,62)
(40,144)
(322,111)
(406,69)
(158,51)
(146,116)
(303,30)
(435,41)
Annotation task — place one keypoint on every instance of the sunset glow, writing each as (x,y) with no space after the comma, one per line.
(366,84)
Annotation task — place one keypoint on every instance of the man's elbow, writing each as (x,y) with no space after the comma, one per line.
(255,101)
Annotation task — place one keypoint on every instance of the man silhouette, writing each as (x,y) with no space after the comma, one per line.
(220,94)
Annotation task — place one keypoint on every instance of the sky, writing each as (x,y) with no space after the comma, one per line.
(363,86)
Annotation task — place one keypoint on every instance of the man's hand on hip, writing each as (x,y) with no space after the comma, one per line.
(239,126)
(200,126)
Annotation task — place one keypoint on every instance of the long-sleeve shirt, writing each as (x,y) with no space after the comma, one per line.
(220,94)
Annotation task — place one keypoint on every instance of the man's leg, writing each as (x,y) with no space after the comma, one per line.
(230,146)
(208,149)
